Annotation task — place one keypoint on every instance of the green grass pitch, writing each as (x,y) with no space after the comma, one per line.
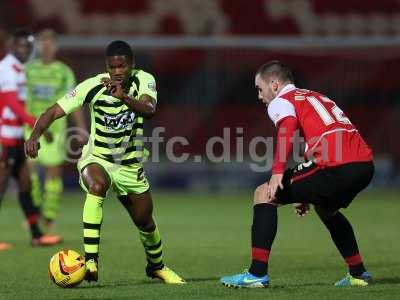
(206,236)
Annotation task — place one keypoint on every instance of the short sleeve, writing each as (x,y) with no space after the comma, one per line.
(8,82)
(279,109)
(74,99)
(147,85)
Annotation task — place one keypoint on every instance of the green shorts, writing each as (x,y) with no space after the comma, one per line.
(124,179)
(50,154)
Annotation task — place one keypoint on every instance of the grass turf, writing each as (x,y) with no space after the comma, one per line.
(206,236)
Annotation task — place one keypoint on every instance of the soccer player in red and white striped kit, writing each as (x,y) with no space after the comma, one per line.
(339,164)
(12,118)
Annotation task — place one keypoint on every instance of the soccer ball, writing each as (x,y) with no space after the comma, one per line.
(67,268)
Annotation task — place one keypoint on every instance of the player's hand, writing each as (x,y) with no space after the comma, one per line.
(32,147)
(114,87)
(274,183)
(48,136)
(301,209)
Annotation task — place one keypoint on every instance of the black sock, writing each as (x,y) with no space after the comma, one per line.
(343,236)
(263,231)
(31,213)
(89,256)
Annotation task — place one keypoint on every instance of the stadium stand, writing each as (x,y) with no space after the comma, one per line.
(208,17)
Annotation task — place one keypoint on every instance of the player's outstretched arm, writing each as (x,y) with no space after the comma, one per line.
(78,118)
(42,124)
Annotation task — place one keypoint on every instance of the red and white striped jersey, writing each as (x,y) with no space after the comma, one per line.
(331,139)
(12,80)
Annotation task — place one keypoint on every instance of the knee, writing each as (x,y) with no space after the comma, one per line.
(260,194)
(144,223)
(98,188)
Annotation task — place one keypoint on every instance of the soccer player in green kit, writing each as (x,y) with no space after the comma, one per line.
(48,79)
(118,102)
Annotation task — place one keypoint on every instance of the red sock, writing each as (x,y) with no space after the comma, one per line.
(355,264)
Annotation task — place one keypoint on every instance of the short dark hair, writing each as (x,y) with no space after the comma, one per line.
(275,68)
(119,48)
(23,34)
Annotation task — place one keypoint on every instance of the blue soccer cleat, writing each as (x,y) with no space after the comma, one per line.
(366,276)
(363,280)
(245,280)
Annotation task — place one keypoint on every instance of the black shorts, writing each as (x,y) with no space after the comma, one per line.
(12,158)
(329,187)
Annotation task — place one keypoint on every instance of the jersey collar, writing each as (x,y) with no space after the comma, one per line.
(12,58)
(288,88)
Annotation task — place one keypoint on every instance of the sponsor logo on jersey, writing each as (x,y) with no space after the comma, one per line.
(120,121)
(43,92)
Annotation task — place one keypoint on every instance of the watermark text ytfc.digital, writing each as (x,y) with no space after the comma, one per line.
(258,151)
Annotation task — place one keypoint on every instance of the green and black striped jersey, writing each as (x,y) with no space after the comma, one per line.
(116,130)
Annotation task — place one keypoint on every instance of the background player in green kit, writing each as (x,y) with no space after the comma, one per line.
(48,80)
(118,102)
